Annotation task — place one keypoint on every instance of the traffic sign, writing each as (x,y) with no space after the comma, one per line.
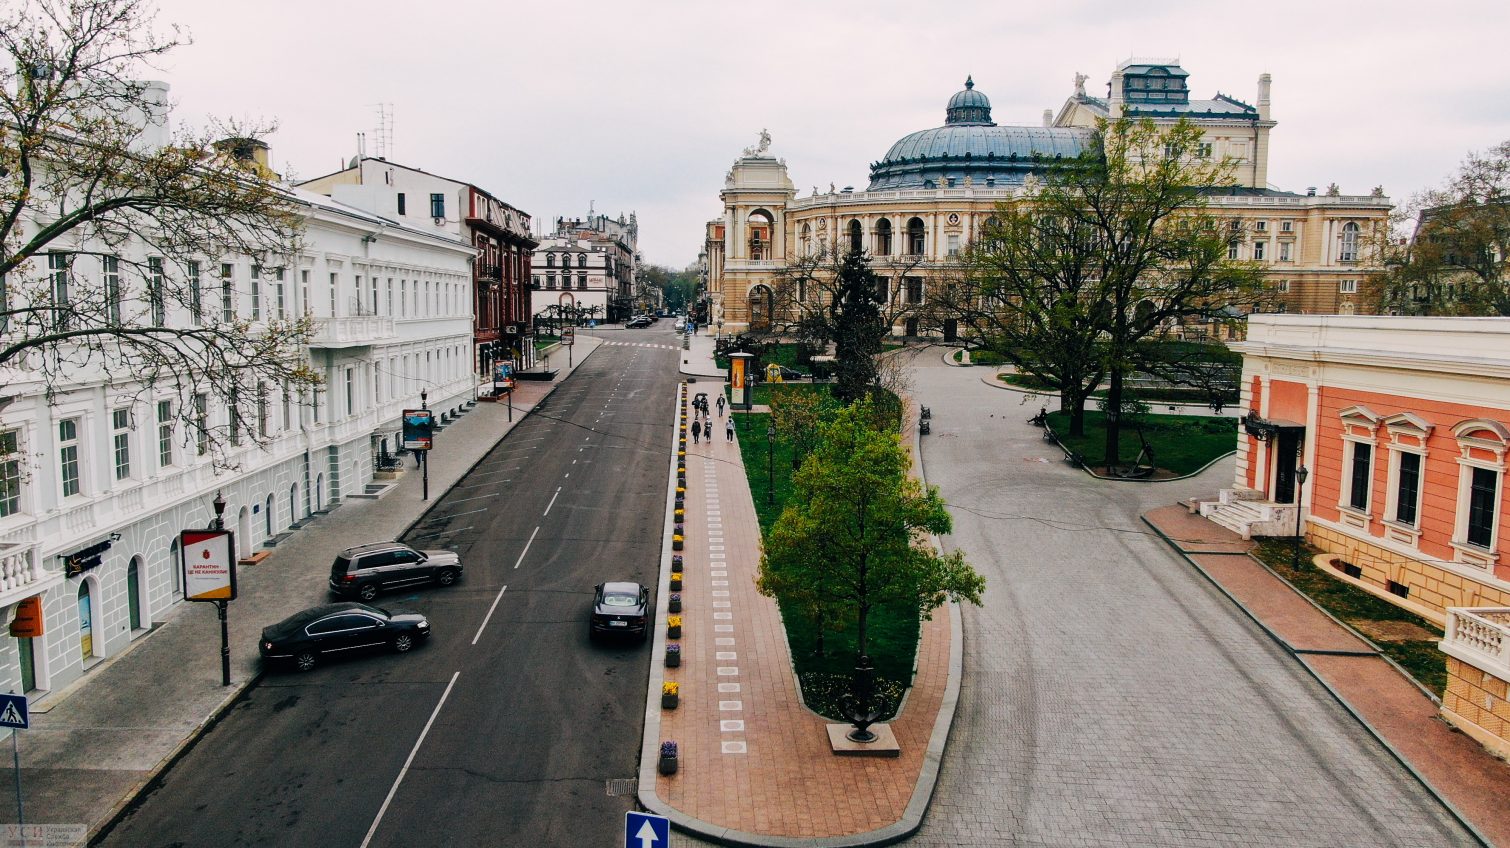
(13,712)
(646,830)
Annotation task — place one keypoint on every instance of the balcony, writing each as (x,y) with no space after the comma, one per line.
(1480,636)
(351,331)
(21,575)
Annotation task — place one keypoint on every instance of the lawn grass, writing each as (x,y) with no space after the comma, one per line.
(785,353)
(892,631)
(1182,444)
(1419,657)
(542,342)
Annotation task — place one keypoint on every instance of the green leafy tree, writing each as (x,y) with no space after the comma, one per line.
(854,535)
(858,327)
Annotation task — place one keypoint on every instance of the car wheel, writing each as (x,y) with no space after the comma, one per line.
(446,576)
(367,591)
(403,642)
(305,660)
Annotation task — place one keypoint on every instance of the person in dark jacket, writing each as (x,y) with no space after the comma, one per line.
(697,430)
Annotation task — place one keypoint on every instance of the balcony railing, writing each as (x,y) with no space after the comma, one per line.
(21,574)
(351,331)
(1480,636)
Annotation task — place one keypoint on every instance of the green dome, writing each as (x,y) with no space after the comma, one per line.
(969,106)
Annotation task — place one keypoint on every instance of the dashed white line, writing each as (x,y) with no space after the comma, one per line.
(367,840)
(489,616)
(526,548)
(553,499)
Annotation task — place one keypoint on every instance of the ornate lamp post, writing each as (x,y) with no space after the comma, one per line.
(1301,474)
(221,605)
(770,467)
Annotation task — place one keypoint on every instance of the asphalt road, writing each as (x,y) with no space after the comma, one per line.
(509,728)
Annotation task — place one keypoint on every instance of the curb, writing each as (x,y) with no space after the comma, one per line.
(1337,696)
(137,791)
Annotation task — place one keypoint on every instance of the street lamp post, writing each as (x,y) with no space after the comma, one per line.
(424,455)
(221,605)
(1301,474)
(770,466)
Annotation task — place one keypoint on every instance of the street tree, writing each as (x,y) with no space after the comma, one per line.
(1457,259)
(108,235)
(858,328)
(855,535)
(804,290)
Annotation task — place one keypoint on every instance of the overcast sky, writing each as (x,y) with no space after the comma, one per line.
(643,106)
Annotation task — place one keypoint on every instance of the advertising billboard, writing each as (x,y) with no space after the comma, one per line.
(503,376)
(418,424)
(209,565)
(739,381)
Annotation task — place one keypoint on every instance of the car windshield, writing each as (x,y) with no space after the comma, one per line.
(616,599)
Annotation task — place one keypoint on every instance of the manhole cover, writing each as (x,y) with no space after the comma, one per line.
(623,786)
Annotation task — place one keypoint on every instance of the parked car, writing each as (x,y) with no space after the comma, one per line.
(678,325)
(366,570)
(792,374)
(620,608)
(340,629)
(638,322)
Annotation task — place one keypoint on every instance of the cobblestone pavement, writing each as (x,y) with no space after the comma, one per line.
(1111,696)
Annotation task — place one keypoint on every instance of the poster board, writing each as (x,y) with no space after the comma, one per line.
(208,560)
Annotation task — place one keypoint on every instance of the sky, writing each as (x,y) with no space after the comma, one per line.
(556,107)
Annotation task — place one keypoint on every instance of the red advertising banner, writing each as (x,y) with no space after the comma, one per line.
(209,565)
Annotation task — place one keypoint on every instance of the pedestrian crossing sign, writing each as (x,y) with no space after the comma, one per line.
(13,712)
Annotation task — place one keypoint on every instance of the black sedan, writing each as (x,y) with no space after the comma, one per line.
(340,629)
(620,608)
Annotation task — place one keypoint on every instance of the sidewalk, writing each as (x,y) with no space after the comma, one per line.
(756,767)
(697,359)
(91,748)
(1402,716)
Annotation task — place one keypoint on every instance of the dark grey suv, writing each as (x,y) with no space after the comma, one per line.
(365,570)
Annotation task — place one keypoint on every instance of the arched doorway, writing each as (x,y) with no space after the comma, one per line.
(86,622)
(134,592)
(243,532)
(761,225)
(319,492)
(176,569)
(762,305)
(293,504)
(911,328)
(267,517)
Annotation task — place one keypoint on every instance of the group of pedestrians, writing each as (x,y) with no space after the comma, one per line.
(702,420)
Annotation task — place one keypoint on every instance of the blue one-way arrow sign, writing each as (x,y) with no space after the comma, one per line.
(13,712)
(646,830)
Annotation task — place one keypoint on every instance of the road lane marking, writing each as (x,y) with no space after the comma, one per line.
(489,616)
(526,548)
(468,512)
(553,499)
(367,840)
(474,498)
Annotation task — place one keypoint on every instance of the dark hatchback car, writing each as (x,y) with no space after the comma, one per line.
(620,609)
(340,629)
(638,322)
(365,570)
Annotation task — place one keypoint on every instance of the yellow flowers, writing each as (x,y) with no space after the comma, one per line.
(670,687)
(673,621)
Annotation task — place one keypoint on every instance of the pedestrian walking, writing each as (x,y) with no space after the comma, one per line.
(697,430)
(729,429)
(720,406)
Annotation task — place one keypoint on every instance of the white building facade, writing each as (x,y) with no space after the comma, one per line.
(569,272)
(104,464)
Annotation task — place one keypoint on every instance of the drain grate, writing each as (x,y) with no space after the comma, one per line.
(623,786)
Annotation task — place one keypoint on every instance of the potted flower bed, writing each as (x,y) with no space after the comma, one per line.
(679,514)
(676,542)
(669,758)
(673,627)
(669,695)
(675,602)
(676,562)
(673,655)
(676,581)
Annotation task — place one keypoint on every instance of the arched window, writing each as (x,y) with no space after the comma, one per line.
(581,260)
(807,239)
(550,260)
(916,240)
(883,237)
(856,236)
(760,225)
(1349,251)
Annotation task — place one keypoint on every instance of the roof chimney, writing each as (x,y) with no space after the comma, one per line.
(1048,117)
(1263,97)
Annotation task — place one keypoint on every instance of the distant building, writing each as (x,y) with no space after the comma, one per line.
(573,274)
(1403,425)
(933,191)
(619,239)
(499,232)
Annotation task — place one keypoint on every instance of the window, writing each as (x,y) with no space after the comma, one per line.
(234,419)
(1259,247)
(10,473)
(155,291)
(110,270)
(4,305)
(550,260)
(120,439)
(1203,150)
(68,455)
(1283,286)
(1407,487)
(550,281)
(953,244)
(403,297)
(1232,248)
(883,237)
(227,303)
(581,281)
(437,206)
(1360,471)
(582,260)
(916,238)
(390,297)
(1284,251)
(165,433)
(256,293)
(1287,226)
(262,410)
(1349,251)
(335,288)
(1483,495)
(856,237)
(914,290)
(201,424)
(351,402)
(883,289)
(196,295)
(1348,287)
(1261,226)
(402,210)
(58,269)
(304,290)
(279,293)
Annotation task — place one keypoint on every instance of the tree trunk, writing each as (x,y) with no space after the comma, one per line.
(1077,415)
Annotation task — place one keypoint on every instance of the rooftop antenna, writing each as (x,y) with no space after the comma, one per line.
(384,129)
(361,145)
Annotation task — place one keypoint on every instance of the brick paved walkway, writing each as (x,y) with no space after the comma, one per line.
(753,758)
(1459,769)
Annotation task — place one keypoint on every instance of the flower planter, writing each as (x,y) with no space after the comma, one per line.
(674,631)
(676,563)
(675,603)
(676,584)
(679,514)
(669,702)
(667,765)
(673,659)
